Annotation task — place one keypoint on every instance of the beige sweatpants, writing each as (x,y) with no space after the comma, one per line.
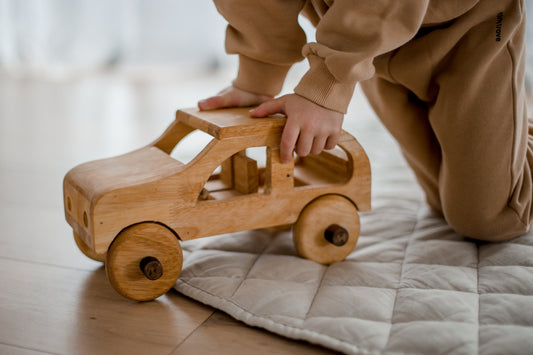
(454,99)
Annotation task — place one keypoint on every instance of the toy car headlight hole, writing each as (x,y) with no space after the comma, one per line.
(336,235)
(151,268)
(85,219)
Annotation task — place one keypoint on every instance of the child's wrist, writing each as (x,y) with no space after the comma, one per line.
(320,86)
(260,77)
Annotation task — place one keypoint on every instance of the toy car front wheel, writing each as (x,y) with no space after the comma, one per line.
(327,229)
(144,261)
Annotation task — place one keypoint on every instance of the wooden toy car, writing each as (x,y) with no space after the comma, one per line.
(133,210)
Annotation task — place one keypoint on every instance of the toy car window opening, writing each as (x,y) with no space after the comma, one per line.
(190,146)
(241,174)
(327,168)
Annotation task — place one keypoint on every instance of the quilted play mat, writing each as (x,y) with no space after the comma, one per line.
(411,285)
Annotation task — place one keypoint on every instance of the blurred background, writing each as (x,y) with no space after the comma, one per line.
(113,63)
(66,37)
(62,38)
(107,75)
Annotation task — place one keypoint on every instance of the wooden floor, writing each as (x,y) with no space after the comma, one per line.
(52,298)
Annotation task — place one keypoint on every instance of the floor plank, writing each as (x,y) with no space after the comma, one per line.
(222,335)
(66,311)
(40,235)
(13,350)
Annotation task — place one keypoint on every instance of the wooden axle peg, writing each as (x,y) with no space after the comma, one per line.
(336,235)
(151,268)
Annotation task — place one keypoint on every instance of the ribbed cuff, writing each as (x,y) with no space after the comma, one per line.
(259,77)
(319,86)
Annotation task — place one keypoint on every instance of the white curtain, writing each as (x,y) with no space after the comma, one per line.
(51,36)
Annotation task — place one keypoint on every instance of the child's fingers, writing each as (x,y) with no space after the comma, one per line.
(232,97)
(289,137)
(319,144)
(304,144)
(269,107)
(211,103)
(332,141)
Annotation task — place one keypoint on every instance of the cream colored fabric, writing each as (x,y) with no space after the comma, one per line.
(411,286)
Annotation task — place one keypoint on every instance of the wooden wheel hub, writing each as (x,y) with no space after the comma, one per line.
(151,268)
(336,235)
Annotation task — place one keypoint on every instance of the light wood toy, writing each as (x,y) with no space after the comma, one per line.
(133,210)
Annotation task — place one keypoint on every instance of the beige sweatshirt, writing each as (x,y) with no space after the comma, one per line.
(349,35)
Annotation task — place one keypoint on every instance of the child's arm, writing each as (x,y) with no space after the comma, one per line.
(268,39)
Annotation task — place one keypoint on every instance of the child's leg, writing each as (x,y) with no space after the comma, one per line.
(406,118)
(467,77)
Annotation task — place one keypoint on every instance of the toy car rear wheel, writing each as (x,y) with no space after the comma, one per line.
(327,229)
(88,252)
(144,261)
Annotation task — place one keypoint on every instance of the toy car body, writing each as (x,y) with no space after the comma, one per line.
(149,192)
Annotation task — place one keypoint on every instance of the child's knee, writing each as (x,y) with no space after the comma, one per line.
(484,224)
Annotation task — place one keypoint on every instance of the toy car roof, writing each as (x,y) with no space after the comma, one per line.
(234,122)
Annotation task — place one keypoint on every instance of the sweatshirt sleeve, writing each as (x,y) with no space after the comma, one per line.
(268,39)
(349,36)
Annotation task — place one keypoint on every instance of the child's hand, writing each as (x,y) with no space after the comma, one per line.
(310,128)
(232,97)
